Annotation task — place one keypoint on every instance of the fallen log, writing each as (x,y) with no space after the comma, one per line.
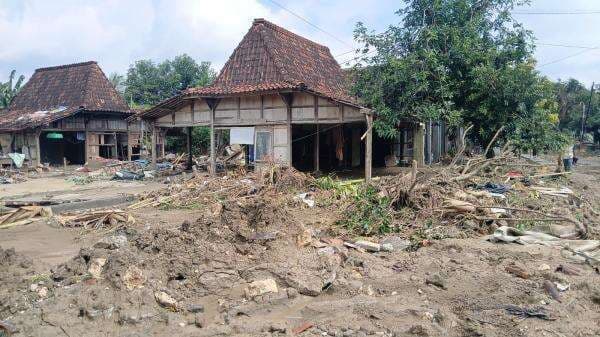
(548,217)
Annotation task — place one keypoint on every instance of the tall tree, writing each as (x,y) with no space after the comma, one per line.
(118,81)
(148,83)
(463,61)
(8,91)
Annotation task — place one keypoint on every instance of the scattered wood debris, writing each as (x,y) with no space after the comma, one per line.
(95,219)
(22,215)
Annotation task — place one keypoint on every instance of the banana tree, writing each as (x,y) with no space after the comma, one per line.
(8,91)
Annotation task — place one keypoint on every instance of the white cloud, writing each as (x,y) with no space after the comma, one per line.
(38,33)
(116,33)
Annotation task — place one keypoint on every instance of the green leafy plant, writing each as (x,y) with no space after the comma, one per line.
(8,90)
(369,212)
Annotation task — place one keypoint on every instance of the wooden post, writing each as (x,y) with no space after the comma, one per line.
(369,147)
(419,144)
(129,149)
(189,147)
(38,134)
(153,141)
(316,150)
(288,99)
(212,104)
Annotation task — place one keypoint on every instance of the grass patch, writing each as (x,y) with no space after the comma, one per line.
(39,278)
(191,206)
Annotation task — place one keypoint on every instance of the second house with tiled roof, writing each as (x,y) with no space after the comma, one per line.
(69,113)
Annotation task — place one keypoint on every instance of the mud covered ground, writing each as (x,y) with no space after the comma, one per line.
(272,266)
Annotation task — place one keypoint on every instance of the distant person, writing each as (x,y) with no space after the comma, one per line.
(568,157)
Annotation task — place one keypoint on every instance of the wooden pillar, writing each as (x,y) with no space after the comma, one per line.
(213,155)
(129,148)
(38,160)
(419,144)
(153,141)
(316,150)
(189,147)
(369,147)
(212,104)
(428,138)
(288,99)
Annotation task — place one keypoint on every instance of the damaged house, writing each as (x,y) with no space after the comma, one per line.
(285,99)
(69,114)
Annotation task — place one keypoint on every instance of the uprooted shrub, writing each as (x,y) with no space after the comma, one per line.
(369,212)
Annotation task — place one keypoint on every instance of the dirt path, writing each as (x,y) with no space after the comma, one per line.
(45,245)
(49,245)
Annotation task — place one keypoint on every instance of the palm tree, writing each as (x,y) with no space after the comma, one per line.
(8,91)
(118,81)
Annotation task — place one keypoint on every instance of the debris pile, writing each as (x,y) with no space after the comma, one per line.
(95,219)
(478,196)
(199,190)
(8,176)
(11,217)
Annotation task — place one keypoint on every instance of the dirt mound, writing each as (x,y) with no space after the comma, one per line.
(15,270)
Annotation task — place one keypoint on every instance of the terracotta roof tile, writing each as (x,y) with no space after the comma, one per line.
(57,92)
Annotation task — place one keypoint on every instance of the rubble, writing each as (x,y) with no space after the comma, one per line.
(22,215)
(245,257)
(95,219)
(261,287)
(368,246)
(165,300)
(111,242)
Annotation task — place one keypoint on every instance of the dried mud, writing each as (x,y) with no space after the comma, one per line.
(192,278)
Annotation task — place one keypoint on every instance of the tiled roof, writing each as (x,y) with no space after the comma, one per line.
(270,57)
(57,92)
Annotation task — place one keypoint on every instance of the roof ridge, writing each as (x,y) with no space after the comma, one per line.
(71,65)
(279,28)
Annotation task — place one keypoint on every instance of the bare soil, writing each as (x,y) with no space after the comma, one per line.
(202,261)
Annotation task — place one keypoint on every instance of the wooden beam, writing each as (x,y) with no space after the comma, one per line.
(153,141)
(419,144)
(129,147)
(212,104)
(189,147)
(316,150)
(38,134)
(369,148)
(318,134)
(288,99)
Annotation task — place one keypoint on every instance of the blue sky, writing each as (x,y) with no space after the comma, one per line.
(39,33)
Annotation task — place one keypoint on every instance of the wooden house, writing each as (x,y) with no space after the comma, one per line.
(282,95)
(286,98)
(69,113)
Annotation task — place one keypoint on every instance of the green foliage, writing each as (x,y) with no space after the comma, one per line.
(118,81)
(462,61)
(573,97)
(177,143)
(149,83)
(538,130)
(341,188)
(369,213)
(8,91)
